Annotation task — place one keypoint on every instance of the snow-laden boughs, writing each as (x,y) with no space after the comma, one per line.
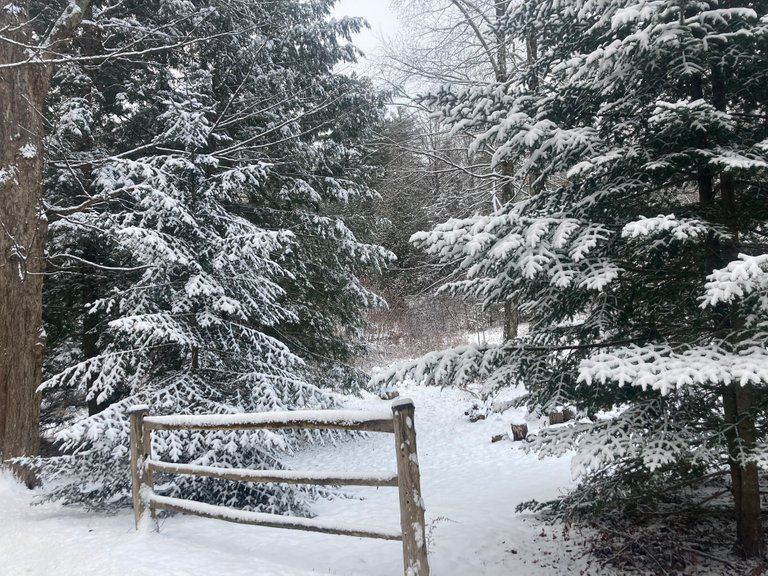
(742,279)
(665,369)
(560,250)
(667,228)
(203,259)
(460,366)
(96,454)
(638,255)
(643,435)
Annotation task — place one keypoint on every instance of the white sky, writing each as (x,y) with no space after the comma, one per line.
(380,16)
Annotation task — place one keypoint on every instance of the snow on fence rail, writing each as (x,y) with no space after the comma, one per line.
(399,422)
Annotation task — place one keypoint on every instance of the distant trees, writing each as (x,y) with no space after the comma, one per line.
(641,257)
(422,179)
(456,42)
(200,258)
(417,186)
(464,44)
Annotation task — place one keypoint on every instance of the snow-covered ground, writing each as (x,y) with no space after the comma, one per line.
(470,486)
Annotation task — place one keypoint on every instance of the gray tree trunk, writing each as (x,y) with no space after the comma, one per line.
(507,192)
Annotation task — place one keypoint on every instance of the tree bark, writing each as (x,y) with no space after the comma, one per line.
(23,226)
(738,401)
(22,235)
(507,192)
(738,404)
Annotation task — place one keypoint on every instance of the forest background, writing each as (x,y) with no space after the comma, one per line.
(203,212)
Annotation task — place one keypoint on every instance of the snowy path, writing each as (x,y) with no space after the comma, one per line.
(470,488)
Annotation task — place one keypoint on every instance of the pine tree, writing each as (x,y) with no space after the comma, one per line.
(641,258)
(203,264)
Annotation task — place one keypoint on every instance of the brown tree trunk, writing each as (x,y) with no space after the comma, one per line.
(23,230)
(23,226)
(738,405)
(738,402)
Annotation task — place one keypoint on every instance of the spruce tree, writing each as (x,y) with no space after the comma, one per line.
(202,261)
(640,256)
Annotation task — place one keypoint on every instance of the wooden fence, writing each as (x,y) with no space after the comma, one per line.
(407,479)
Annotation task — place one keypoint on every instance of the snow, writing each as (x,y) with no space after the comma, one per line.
(470,488)
(13,9)
(7,174)
(681,229)
(738,279)
(663,368)
(28,151)
(401,403)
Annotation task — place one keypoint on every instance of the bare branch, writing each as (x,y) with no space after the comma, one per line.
(66,256)
(119,53)
(478,34)
(68,21)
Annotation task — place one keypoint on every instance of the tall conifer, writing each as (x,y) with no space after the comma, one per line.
(640,257)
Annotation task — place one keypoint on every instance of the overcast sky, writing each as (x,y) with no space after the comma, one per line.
(380,16)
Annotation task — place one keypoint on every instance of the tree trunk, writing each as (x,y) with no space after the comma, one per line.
(89,342)
(738,402)
(23,226)
(511,319)
(511,314)
(738,407)
(23,230)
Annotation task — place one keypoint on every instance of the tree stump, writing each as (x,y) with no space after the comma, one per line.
(561,416)
(388,392)
(556,418)
(519,432)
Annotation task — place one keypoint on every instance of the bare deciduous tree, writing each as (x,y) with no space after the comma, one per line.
(464,43)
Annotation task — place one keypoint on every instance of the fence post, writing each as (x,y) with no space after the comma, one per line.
(141,451)
(415,558)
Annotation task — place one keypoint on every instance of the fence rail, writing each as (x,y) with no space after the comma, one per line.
(278,476)
(311,419)
(400,423)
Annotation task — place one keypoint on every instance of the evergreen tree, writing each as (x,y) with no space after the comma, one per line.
(203,263)
(641,259)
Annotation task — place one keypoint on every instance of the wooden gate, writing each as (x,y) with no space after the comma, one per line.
(407,479)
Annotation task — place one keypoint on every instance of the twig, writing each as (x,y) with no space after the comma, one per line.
(101,266)
(707,555)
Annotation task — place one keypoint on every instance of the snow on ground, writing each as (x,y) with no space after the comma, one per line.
(493,335)
(470,487)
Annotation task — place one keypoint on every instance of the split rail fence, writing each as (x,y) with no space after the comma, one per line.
(407,478)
